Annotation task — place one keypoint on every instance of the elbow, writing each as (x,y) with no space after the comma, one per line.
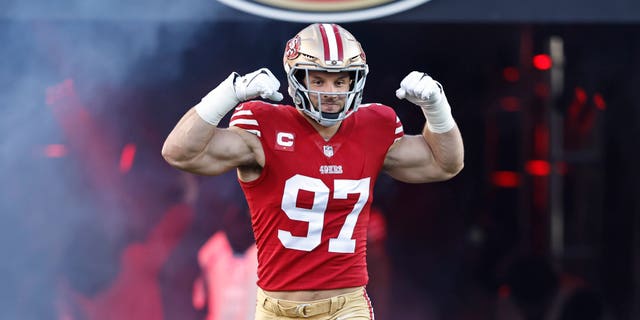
(452,170)
(173,156)
(168,154)
(456,168)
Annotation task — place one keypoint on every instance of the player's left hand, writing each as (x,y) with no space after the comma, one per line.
(420,89)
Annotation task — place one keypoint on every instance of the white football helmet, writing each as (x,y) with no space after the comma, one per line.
(330,48)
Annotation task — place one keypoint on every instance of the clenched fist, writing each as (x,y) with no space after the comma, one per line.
(421,90)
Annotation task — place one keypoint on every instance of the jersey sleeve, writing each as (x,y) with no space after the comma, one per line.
(387,120)
(246,116)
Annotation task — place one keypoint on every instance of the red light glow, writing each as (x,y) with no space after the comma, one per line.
(127,156)
(542,61)
(581,95)
(598,100)
(55,151)
(538,167)
(505,179)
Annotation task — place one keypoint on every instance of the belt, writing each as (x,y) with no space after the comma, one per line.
(295,309)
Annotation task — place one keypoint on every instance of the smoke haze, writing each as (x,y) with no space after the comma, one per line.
(69,72)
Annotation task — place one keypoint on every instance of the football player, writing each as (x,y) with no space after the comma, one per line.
(308,170)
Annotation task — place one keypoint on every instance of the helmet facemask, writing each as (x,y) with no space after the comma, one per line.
(299,85)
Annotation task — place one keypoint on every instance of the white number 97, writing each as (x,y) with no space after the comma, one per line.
(315,216)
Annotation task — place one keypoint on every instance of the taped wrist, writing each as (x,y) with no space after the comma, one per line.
(438,114)
(217,103)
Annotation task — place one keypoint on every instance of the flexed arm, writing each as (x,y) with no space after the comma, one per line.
(197,145)
(437,154)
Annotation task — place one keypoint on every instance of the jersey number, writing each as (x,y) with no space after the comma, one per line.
(315,216)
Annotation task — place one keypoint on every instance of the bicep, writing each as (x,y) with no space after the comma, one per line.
(198,147)
(227,149)
(230,148)
(411,160)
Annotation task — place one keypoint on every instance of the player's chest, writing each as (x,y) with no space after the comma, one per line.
(307,153)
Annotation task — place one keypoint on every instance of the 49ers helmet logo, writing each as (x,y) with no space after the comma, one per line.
(323,10)
(292,48)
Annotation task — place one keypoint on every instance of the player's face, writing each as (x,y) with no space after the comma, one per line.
(331,84)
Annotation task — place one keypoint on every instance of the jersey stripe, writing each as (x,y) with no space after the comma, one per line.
(399,128)
(243,113)
(251,122)
(244,119)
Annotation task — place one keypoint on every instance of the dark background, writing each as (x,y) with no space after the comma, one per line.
(452,246)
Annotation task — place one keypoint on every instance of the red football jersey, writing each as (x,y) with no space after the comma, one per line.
(310,205)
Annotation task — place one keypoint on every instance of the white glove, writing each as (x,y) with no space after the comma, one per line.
(258,83)
(235,89)
(421,90)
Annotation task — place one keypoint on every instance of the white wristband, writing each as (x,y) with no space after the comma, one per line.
(217,103)
(438,114)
